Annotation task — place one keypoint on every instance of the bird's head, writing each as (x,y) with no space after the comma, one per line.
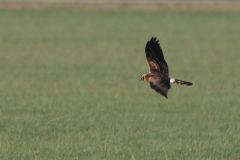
(142,78)
(146,77)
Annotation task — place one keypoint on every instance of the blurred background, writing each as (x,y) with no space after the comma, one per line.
(70,89)
(125,1)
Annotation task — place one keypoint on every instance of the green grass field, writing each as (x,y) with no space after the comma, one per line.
(70,86)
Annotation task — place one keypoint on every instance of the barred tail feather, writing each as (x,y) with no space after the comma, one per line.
(180,82)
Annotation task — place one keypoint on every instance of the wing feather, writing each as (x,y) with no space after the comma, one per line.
(160,87)
(155,58)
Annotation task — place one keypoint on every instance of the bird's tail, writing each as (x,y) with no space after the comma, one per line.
(180,82)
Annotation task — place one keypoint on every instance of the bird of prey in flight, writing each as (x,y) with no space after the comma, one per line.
(158,69)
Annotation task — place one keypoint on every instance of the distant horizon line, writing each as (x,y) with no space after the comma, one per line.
(128,1)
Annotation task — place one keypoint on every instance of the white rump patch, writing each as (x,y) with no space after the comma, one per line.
(172,80)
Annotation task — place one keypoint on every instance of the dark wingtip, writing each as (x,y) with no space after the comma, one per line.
(154,40)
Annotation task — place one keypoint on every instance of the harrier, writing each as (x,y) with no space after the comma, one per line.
(158,69)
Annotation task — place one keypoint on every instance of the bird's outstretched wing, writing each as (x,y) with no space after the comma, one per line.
(155,58)
(160,87)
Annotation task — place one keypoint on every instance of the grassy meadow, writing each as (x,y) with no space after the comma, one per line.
(70,86)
